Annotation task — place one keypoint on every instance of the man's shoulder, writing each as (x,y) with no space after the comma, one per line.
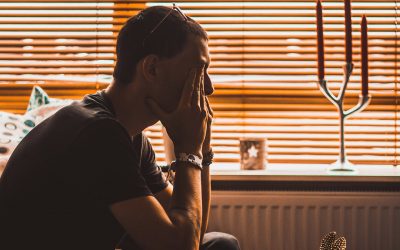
(90,107)
(88,124)
(93,115)
(69,123)
(77,116)
(81,110)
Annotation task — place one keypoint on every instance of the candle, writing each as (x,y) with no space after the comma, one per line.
(320,42)
(347,22)
(364,56)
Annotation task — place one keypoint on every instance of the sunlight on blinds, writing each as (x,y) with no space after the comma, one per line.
(67,47)
(263,68)
(50,40)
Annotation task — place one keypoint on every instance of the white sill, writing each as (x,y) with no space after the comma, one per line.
(305,172)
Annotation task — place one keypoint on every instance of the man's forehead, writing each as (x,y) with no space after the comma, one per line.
(197,50)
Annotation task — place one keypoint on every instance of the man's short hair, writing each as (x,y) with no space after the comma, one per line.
(166,41)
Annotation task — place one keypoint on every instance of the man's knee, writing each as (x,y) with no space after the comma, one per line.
(220,241)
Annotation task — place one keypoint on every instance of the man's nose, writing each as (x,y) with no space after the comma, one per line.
(208,86)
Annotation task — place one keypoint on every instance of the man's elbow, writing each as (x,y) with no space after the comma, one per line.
(186,235)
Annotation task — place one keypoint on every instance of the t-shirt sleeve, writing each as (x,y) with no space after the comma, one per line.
(150,170)
(108,169)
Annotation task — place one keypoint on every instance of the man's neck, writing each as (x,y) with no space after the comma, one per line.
(129,106)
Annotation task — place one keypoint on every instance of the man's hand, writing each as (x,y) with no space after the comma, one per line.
(186,126)
(207,140)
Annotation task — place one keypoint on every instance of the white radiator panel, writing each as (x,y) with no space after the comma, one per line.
(298,220)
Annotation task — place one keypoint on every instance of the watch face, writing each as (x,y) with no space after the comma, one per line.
(191,157)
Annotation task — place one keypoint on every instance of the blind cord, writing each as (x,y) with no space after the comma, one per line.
(396,132)
(97,46)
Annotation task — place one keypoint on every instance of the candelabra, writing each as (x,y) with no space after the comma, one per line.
(343,164)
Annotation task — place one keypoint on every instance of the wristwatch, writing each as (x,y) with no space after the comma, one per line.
(190,158)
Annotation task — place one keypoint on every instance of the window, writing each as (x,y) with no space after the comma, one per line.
(263,68)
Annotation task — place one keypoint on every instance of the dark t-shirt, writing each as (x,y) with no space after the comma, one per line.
(56,190)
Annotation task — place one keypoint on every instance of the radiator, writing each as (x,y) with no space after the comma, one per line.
(297,220)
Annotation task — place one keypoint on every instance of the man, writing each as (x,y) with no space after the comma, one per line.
(87,175)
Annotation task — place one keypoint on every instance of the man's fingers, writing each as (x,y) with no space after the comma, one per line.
(202,94)
(210,111)
(156,109)
(196,91)
(187,92)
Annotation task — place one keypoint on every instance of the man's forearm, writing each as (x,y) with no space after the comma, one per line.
(206,195)
(185,206)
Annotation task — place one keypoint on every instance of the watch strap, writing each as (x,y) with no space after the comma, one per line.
(190,158)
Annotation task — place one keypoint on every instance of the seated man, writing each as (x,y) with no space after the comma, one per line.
(87,176)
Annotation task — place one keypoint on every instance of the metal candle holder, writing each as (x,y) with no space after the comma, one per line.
(343,164)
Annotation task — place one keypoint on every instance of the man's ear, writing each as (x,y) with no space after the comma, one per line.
(149,67)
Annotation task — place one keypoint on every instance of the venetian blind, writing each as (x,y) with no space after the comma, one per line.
(263,68)
(67,47)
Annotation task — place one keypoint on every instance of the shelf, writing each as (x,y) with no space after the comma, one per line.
(293,177)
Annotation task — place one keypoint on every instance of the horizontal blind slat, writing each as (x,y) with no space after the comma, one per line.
(263,68)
